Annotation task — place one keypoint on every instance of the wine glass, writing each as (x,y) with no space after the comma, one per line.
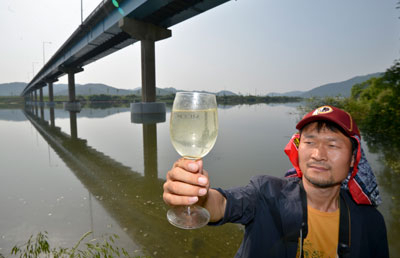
(193,131)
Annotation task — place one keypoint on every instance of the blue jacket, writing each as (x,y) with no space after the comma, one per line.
(271,210)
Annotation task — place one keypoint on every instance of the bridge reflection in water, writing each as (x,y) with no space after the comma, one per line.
(134,201)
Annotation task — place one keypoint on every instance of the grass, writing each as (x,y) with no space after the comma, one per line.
(39,246)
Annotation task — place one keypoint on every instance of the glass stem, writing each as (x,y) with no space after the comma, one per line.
(188,210)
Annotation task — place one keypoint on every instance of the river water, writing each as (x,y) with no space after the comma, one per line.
(98,171)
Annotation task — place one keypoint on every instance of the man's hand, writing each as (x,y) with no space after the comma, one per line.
(186,182)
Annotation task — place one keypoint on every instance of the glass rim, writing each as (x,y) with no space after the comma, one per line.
(195,93)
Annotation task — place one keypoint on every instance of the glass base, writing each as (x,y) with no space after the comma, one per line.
(188,217)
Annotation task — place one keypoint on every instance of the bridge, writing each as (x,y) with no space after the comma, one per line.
(112,26)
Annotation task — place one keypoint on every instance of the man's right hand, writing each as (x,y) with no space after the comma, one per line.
(186,183)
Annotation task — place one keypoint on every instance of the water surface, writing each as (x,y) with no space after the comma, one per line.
(97,171)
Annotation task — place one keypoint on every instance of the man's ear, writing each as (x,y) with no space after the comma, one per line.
(353,160)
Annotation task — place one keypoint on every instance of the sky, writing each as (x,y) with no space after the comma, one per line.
(245,46)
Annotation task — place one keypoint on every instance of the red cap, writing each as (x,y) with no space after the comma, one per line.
(334,115)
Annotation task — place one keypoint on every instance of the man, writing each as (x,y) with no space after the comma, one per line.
(323,208)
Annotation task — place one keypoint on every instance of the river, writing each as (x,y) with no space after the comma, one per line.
(98,171)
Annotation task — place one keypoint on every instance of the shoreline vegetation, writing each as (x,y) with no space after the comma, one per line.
(168,99)
(374,104)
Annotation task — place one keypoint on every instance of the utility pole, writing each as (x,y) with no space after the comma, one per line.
(81,11)
(45,42)
(33,69)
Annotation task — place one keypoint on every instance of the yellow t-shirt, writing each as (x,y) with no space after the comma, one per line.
(323,234)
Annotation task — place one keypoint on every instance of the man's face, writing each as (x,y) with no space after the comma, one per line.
(325,157)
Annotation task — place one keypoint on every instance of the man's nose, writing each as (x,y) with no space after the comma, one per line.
(319,153)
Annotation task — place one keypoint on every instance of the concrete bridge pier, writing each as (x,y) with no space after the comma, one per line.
(150,152)
(36,111)
(35,92)
(51,103)
(29,99)
(36,103)
(51,95)
(41,103)
(30,102)
(148,34)
(52,117)
(72,104)
(73,125)
(41,112)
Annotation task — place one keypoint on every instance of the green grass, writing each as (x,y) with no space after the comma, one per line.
(39,246)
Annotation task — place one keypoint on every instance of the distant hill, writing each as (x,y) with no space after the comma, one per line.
(338,88)
(88,89)
(331,89)
(15,89)
(12,89)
